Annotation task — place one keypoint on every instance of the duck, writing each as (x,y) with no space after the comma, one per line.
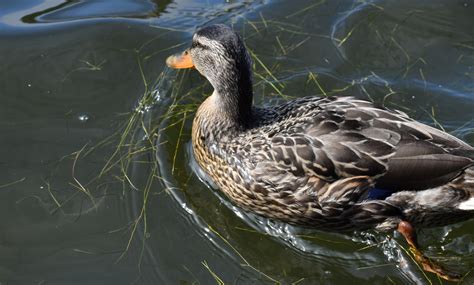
(329,163)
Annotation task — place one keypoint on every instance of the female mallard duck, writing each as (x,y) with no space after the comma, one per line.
(329,163)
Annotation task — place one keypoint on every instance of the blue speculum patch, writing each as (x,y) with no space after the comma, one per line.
(379,194)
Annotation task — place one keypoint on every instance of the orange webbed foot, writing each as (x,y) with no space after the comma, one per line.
(407,230)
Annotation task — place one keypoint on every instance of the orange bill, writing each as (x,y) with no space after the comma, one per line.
(180,60)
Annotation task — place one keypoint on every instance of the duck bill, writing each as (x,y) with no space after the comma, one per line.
(179,61)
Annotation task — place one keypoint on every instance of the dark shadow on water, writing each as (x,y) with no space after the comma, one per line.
(104,11)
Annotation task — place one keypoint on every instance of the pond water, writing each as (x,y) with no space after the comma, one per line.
(97,184)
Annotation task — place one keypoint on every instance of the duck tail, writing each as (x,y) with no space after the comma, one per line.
(467,184)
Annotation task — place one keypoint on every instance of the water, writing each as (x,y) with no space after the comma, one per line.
(72,80)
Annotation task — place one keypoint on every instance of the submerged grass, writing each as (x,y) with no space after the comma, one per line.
(245,262)
(12,183)
(134,142)
(214,275)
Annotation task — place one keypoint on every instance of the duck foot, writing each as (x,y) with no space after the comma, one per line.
(407,230)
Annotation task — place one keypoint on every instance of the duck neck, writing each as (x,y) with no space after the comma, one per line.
(233,100)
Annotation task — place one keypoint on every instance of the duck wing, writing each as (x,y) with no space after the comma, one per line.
(423,164)
(422,156)
(338,138)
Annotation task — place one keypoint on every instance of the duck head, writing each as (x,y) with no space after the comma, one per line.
(219,54)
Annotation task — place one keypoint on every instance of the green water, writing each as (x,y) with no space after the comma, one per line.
(97,185)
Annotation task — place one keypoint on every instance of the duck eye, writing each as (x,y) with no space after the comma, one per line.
(198,44)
